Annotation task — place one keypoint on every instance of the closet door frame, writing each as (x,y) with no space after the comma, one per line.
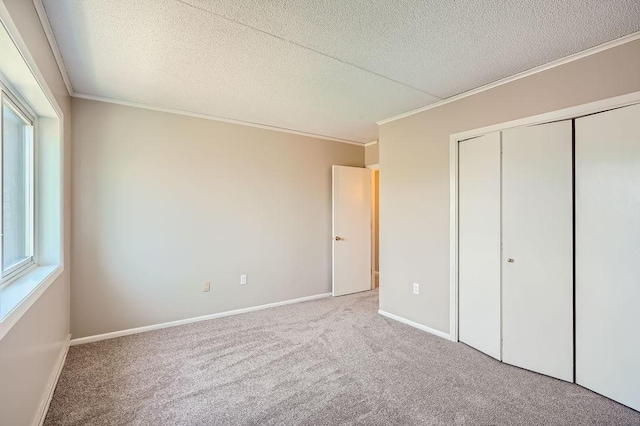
(455,139)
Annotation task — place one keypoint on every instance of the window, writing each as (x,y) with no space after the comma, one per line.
(17,181)
(31,179)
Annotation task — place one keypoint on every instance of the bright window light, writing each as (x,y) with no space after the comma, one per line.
(17,189)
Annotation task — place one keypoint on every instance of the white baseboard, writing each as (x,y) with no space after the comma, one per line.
(51,385)
(137,330)
(415,324)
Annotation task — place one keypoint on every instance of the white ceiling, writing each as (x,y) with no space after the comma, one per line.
(325,67)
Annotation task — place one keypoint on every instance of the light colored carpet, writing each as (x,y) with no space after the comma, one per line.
(325,362)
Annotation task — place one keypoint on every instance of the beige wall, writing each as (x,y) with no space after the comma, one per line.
(371,154)
(28,353)
(163,202)
(414,191)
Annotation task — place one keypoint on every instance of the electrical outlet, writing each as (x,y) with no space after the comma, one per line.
(243,279)
(416,288)
(206,286)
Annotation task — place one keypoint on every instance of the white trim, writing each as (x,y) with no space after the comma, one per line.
(214,118)
(48,31)
(576,56)
(51,384)
(558,115)
(17,271)
(374,200)
(98,337)
(454,139)
(13,32)
(453,240)
(38,273)
(371,143)
(415,324)
(374,166)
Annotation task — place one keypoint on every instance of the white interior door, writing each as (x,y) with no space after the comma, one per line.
(351,230)
(479,243)
(608,254)
(537,237)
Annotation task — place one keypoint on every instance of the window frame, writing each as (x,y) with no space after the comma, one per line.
(23,79)
(21,108)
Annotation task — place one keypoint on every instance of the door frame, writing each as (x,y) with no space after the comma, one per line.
(456,138)
(374,199)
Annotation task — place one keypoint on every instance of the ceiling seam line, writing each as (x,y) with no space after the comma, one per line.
(186,3)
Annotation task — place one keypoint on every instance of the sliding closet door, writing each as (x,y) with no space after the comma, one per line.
(537,229)
(479,243)
(608,254)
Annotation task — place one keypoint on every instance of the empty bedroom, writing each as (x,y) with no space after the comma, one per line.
(334,212)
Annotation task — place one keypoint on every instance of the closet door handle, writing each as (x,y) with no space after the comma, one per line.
(510,260)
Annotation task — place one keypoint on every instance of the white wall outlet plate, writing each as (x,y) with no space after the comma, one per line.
(416,288)
(206,286)
(243,279)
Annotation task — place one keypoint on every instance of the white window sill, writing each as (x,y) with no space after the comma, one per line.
(17,297)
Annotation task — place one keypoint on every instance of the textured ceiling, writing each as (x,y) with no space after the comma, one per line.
(327,67)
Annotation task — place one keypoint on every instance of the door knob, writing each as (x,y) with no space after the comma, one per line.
(338,238)
(510,260)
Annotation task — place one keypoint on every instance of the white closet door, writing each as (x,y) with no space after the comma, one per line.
(537,268)
(479,243)
(608,254)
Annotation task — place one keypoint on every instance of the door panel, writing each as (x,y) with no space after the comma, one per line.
(608,254)
(537,229)
(479,243)
(351,230)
